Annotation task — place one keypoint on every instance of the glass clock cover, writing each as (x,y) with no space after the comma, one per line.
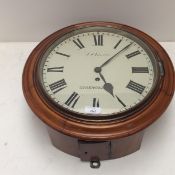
(98,72)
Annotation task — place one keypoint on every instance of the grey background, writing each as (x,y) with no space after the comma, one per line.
(33,20)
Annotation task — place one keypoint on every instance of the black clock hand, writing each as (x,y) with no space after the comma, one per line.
(121,102)
(106,62)
(108,86)
(102,77)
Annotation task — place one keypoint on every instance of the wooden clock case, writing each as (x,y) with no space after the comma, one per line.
(98,140)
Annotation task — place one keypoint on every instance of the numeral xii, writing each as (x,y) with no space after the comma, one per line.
(98,40)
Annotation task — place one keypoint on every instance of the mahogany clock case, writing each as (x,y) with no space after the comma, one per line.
(87,130)
(94,140)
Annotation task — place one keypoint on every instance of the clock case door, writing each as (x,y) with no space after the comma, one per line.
(96,150)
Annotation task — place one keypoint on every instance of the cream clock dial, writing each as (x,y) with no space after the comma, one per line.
(98,71)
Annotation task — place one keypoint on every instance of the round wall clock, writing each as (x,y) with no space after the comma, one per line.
(97,86)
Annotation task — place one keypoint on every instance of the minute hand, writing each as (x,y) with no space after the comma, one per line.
(106,62)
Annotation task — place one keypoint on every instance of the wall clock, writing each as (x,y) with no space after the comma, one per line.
(98,86)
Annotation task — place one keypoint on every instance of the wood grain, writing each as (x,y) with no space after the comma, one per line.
(87,130)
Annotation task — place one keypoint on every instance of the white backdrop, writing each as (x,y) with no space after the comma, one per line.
(32,20)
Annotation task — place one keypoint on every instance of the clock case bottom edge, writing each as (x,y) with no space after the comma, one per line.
(92,150)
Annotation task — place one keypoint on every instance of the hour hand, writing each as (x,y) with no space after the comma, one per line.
(109,88)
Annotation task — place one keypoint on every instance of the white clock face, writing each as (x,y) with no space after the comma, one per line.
(98,71)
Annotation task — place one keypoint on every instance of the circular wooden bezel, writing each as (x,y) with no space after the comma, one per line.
(104,130)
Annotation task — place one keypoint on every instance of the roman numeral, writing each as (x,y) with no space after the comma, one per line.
(55,69)
(98,39)
(133,54)
(140,70)
(135,87)
(78,43)
(72,100)
(96,103)
(117,44)
(57,86)
(63,54)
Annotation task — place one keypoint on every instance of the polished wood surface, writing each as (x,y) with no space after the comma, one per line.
(100,131)
(91,140)
(103,150)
